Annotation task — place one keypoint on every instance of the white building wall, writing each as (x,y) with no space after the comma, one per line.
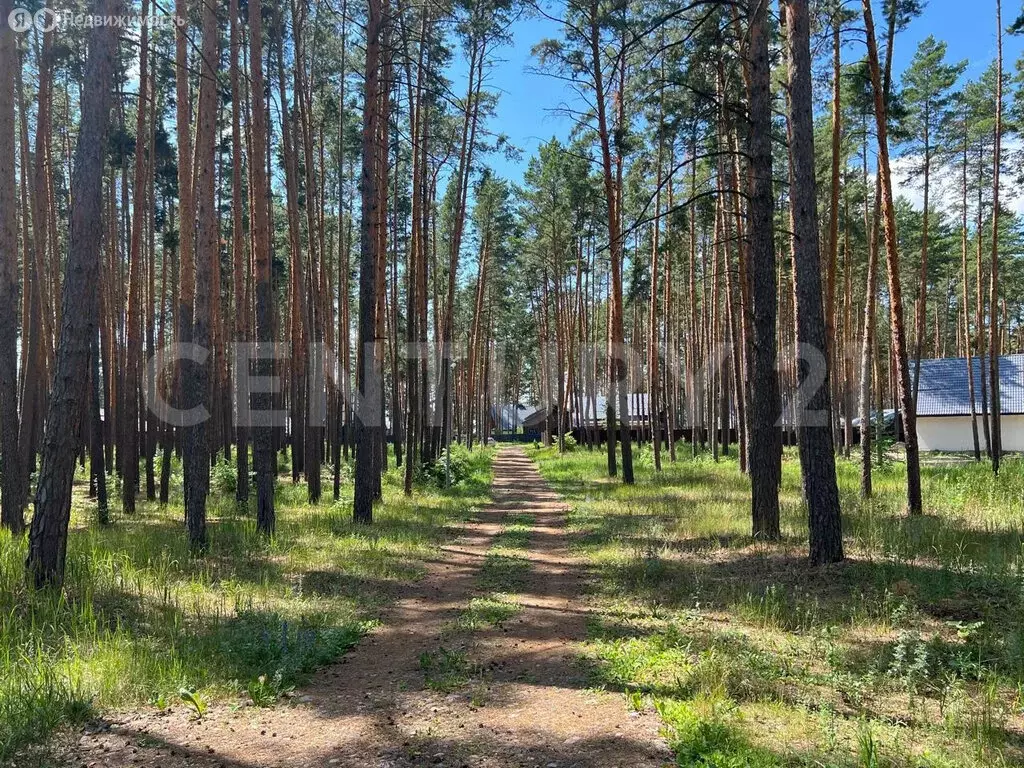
(953,433)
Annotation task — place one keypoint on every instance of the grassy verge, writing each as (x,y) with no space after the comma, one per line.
(909,654)
(140,620)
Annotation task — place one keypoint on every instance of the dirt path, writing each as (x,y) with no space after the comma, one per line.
(526,705)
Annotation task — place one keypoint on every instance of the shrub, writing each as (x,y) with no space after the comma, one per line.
(224,478)
(643,457)
(455,462)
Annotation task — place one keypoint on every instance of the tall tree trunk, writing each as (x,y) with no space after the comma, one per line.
(869,360)
(765,438)
(67,403)
(899,338)
(980,332)
(921,314)
(618,365)
(671,359)
(136,267)
(817,451)
(36,330)
(296,269)
(344,255)
(412,383)
(654,335)
(967,305)
(313,328)
(151,421)
(168,306)
(97,467)
(11,495)
(995,344)
(263,432)
(461,180)
(833,348)
(867,357)
(368,355)
(238,254)
(186,208)
(195,447)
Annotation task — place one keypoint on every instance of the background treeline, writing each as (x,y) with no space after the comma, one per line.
(317,174)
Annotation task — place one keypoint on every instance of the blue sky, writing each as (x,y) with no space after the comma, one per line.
(528,99)
(969,28)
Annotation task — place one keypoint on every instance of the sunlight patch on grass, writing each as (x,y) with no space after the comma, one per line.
(487,612)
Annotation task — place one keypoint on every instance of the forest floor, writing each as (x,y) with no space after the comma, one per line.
(477,663)
(910,654)
(536,614)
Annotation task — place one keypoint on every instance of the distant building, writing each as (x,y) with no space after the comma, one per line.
(944,403)
(509,417)
(638,414)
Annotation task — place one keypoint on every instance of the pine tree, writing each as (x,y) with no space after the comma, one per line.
(11,516)
(899,343)
(817,456)
(765,439)
(48,538)
(927,93)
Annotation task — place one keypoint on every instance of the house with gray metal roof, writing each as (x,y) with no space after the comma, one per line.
(944,403)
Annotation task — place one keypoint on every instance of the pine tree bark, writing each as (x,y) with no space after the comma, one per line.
(654,335)
(296,270)
(478,51)
(312,330)
(921,309)
(186,210)
(35,328)
(995,348)
(766,405)
(97,466)
(238,255)
(263,431)
(833,221)
(370,384)
(415,384)
(837,355)
(618,365)
(68,398)
(11,511)
(869,360)
(817,451)
(966,300)
(195,447)
(899,337)
(136,268)
(151,422)
(980,331)
(344,254)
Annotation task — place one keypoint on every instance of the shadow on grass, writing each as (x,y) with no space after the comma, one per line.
(141,618)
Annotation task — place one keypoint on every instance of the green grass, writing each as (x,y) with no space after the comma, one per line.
(446,669)
(503,573)
(485,612)
(911,653)
(515,532)
(504,568)
(140,620)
